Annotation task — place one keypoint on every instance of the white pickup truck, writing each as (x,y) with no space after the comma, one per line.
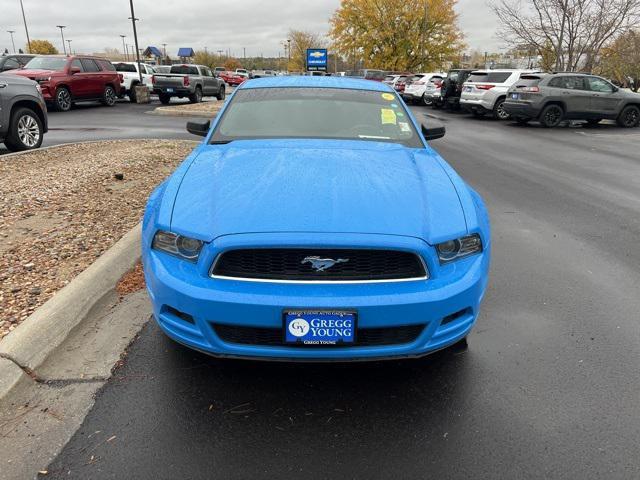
(131,77)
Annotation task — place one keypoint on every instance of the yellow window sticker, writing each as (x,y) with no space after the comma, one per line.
(388,96)
(387,116)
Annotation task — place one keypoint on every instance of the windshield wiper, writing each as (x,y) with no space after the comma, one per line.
(220,142)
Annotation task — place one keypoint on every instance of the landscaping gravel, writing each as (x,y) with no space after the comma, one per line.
(61,208)
(203,109)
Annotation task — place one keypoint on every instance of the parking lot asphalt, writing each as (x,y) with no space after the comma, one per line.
(91,121)
(549,387)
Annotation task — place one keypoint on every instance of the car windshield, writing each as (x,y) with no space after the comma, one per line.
(46,63)
(322,113)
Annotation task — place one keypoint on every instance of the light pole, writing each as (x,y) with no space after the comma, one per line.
(164,49)
(26,30)
(69,43)
(135,38)
(11,32)
(64,49)
(289,50)
(126,57)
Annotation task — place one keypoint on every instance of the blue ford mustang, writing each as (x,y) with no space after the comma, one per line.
(315,223)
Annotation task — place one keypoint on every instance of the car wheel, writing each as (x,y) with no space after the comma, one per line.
(221,94)
(629,117)
(499,113)
(427,101)
(62,101)
(164,99)
(25,131)
(197,96)
(132,93)
(109,96)
(551,116)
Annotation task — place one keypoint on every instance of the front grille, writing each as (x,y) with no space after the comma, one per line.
(365,337)
(287,264)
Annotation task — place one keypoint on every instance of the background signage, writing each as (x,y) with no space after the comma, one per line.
(316,59)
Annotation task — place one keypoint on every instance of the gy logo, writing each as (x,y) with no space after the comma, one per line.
(321,264)
(299,327)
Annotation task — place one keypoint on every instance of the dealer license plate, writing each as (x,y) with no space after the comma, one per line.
(319,327)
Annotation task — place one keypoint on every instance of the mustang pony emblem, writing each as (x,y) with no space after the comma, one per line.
(321,264)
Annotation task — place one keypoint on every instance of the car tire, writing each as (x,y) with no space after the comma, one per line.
(196,97)
(427,101)
(25,131)
(551,116)
(132,93)
(62,101)
(499,112)
(109,96)
(221,93)
(164,98)
(629,117)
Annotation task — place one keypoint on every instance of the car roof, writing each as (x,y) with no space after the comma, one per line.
(317,82)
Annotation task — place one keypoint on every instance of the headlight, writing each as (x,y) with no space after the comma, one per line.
(183,247)
(459,248)
(43,79)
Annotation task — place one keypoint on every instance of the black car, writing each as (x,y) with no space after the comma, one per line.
(451,89)
(23,113)
(12,62)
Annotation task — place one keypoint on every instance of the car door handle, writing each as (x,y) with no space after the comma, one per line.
(3,84)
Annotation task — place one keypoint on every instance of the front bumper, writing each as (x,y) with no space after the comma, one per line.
(177,288)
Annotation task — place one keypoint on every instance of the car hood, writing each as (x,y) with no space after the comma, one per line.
(35,73)
(317,186)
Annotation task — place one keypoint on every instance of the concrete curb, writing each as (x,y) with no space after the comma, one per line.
(181,113)
(29,345)
(88,142)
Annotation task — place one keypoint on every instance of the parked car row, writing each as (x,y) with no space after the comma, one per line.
(529,95)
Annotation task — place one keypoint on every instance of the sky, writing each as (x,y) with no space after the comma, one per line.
(260,26)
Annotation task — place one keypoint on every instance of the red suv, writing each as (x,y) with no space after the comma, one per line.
(66,80)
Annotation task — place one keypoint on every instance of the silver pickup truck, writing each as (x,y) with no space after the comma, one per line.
(192,81)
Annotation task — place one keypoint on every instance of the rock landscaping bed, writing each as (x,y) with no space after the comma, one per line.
(204,109)
(61,208)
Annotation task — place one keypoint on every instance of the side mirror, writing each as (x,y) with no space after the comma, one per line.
(199,127)
(433,131)
(75,70)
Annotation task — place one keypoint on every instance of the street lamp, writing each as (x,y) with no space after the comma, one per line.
(124,50)
(11,32)
(135,38)
(69,43)
(164,50)
(64,49)
(26,30)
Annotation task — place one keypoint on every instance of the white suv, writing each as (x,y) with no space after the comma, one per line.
(486,90)
(415,91)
